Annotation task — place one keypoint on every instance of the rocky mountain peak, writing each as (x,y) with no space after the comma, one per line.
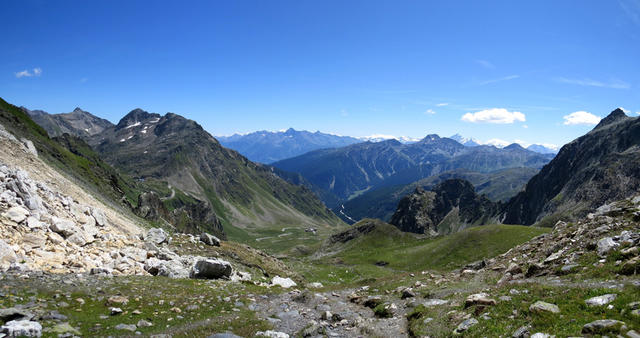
(430,138)
(613,117)
(514,146)
(78,110)
(135,116)
(450,207)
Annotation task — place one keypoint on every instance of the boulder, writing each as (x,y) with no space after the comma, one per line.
(479,299)
(62,226)
(408,293)
(22,328)
(466,325)
(126,327)
(514,269)
(156,236)
(541,306)
(80,238)
(283,282)
(7,255)
(271,334)
(475,265)
(605,245)
(604,326)
(13,313)
(65,329)
(522,332)
(631,267)
(601,300)
(16,214)
(98,215)
(209,239)
(211,269)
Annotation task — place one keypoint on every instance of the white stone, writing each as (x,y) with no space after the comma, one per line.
(271,334)
(22,328)
(16,214)
(283,282)
(601,300)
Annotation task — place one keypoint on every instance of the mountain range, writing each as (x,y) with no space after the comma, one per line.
(268,147)
(188,179)
(341,174)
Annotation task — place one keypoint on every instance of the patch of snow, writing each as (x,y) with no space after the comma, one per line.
(128,138)
(122,140)
(133,125)
(156,120)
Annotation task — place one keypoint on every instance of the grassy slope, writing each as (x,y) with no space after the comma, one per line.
(355,261)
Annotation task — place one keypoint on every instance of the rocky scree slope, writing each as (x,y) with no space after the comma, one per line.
(349,171)
(451,206)
(43,228)
(597,168)
(70,155)
(237,192)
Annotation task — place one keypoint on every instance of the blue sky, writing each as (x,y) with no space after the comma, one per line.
(511,70)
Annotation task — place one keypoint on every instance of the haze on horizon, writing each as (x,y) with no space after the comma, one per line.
(542,72)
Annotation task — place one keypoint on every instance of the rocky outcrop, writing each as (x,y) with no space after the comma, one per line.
(598,168)
(451,206)
(188,217)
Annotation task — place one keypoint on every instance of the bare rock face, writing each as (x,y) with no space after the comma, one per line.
(451,206)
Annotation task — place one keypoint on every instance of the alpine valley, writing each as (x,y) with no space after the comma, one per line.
(153,227)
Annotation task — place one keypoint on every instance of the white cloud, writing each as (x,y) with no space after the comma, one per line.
(430,112)
(506,78)
(442,104)
(615,84)
(486,64)
(581,117)
(494,115)
(497,142)
(525,126)
(26,73)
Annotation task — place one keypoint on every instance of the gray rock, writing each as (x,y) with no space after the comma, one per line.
(29,146)
(408,293)
(633,334)
(81,238)
(601,300)
(541,306)
(7,255)
(514,269)
(434,302)
(115,311)
(211,269)
(604,326)
(479,299)
(144,323)
(13,313)
(126,327)
(156,236)
(224,335)
(22,328)
(569,268)
(475,265)
(466,325)
(541,335)
(63,226)
(209,239)
(98,215)
(522,332)
(271,334)
(605,245)
(16,214)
